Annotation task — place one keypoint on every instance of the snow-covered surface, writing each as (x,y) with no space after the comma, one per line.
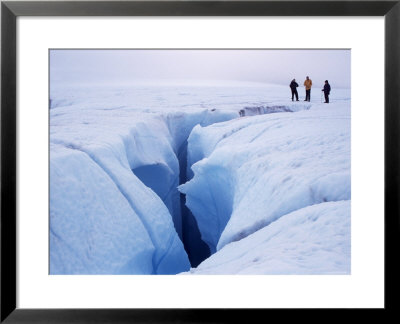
(311,240)
(117,156)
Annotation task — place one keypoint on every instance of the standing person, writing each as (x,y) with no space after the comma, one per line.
(308,84)
(293,85)
(326,90)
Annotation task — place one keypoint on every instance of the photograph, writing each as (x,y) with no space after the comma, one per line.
(199,161)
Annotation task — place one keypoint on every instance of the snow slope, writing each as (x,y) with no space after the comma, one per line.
(311,240)
(254,170)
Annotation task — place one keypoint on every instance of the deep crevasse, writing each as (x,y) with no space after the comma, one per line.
(126,228)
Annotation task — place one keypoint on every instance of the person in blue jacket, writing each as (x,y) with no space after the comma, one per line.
(327,91)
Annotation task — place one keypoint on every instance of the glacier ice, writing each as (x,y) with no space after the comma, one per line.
(118,155)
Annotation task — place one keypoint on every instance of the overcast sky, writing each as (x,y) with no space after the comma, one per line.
(269,66)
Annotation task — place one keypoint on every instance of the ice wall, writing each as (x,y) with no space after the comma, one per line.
(273,108)
(180,125)
(93,229)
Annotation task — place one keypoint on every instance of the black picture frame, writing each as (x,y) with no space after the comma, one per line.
(10,10)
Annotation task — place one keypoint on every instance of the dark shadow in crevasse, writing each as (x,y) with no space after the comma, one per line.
(160,178)
(195,247)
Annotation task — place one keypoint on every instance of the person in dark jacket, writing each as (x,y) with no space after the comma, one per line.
(293,85)
(327,91)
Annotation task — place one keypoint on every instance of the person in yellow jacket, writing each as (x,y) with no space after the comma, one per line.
(308,84)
